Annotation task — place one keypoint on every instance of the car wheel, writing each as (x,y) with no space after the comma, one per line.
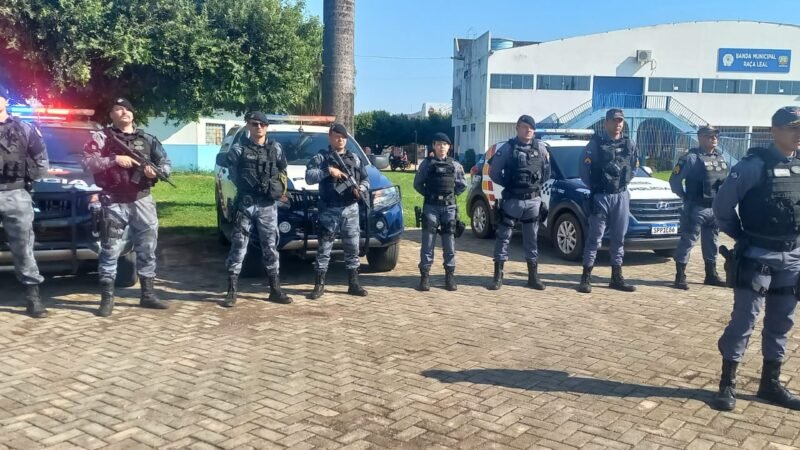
(383,259)
(253,264)
(665,252)
(479,219)
(126,270)
(568,237)
(221,237)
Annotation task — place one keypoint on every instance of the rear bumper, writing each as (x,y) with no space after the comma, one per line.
(659,243)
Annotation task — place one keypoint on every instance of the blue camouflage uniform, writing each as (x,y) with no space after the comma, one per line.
(438,213)
(337,213)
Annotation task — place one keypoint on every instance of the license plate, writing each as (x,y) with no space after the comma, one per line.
(667,228)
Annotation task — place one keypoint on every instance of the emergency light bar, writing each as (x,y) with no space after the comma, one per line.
(284,118)
(50,113)
(565,131)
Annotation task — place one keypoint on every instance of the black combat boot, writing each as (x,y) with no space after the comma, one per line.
(771,389)
(319,287)
(233,289)
(424,280)
(276,294)
(533,276)
(35,308)
(353,288)
(712,277)
(585,286)
(149,298)
(450,279)
(106,297)
(618,281)
(725,399)
(680,277)
(497,279)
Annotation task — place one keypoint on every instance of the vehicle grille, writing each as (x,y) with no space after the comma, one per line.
(53,208)
(300,200)
(656,211)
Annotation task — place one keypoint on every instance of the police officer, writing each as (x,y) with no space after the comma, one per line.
(23,159)
(765,267)
(258,168)
(339,195)
(440,179)
(607,166)
(521,166)
(127,202)
(704,170)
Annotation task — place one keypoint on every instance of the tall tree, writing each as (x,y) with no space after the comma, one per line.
(338,60)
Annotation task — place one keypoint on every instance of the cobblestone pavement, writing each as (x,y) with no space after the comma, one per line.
(398,369)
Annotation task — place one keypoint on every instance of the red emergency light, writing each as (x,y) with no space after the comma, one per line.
(40,112)
(283,118)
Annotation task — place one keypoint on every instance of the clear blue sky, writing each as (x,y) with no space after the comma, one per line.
(426,29)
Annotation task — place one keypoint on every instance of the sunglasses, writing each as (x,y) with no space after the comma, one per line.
(257,124)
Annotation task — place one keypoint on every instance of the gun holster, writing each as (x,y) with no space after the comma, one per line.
(498,211)
(460,227)
(418,216)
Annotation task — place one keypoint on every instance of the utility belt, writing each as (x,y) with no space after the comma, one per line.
(522,195)
(338,203)
(774,245)
(248,200)
(12,186)
(440,199)
(124,197)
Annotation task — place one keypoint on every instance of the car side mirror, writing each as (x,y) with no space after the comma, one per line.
(648,170)
(379,161)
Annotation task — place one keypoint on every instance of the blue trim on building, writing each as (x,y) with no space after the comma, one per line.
(192,157)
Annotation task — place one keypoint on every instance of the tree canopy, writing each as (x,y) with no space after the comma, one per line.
(379,129)
(176,58)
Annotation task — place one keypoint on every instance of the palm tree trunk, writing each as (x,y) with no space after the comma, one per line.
(338,60)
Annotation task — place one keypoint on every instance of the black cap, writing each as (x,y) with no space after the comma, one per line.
(526,119)
(788,116)
(707,130)
(441,137)
(4,92)
(122,102)
(338,128)
(615,113)
(256,115)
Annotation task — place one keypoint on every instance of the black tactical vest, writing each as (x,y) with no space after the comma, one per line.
(770,212)
(115,179)
(13,151)
(611,166)
(440,181)
(328,186)
(523,175)
(258,172)
(705,177)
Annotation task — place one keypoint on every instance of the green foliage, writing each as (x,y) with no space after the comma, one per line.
(379,129)
(176,58)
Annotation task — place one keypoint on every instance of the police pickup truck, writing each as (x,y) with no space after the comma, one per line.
(654,221)
(302,137)
(66,202)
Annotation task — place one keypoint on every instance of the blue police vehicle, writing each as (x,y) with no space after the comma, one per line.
(655,209)
(302,137)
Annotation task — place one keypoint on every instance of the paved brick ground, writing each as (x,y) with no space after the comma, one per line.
(398,369)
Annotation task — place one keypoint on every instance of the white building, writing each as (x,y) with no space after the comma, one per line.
(193,145)
(430,107)
(732,74)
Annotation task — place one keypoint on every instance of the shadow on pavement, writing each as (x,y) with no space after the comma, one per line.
(543,380)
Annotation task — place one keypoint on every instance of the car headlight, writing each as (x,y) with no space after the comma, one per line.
(384,198)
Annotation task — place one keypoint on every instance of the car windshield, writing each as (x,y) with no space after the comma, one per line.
(301,147)
(65,145)
(568,160)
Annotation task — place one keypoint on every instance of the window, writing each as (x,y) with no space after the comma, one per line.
(674,85)
(472,127)
(714,86)
(464,128)
(776,87)
(215,132)
(563,82)
(506,81)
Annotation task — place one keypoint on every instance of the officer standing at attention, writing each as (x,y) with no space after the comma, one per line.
(339,195)
(258,169)
(766,187)
(126,201)
(23,159)
(521,166)
(440,179)
(607,166)
(704,170)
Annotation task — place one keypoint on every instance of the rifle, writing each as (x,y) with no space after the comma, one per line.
(350,183)
(120,148)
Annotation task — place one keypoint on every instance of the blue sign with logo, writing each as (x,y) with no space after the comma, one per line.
(753,60)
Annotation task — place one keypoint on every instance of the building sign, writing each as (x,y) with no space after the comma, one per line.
(753,60)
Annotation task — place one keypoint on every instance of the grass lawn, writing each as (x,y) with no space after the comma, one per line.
(190,209)
(663,175)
